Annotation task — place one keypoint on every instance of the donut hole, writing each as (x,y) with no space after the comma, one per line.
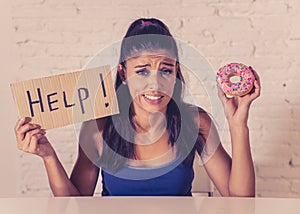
(235,78)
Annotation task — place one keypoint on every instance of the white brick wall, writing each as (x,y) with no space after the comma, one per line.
(54,36)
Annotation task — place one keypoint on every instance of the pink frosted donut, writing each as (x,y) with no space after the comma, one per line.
(235,79)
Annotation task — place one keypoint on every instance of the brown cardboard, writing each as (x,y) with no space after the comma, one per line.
(67,98)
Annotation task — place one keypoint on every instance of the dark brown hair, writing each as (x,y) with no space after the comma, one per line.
(149,34)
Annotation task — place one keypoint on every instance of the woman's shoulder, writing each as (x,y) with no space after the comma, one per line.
(208,130)
(94,125)
(200,116)
(90,138)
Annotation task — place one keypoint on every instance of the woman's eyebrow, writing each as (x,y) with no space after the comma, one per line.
(168,64)
(163,63)
(140,66)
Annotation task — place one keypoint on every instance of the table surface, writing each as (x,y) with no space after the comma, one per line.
(153,205)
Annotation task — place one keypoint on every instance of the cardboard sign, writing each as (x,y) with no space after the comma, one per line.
(67,98)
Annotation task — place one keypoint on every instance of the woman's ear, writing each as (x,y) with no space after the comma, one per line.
(121,72)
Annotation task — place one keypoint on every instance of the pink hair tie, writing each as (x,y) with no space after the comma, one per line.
(145,23)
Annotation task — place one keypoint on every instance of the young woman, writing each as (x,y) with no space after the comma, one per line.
(149,148)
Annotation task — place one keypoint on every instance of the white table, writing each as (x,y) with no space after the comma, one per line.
(153,205)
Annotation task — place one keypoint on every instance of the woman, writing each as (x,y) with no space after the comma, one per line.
(149,148)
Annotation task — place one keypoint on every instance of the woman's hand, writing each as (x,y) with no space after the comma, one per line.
(237,108)
(31,138)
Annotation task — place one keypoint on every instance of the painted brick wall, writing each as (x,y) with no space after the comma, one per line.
(54,36)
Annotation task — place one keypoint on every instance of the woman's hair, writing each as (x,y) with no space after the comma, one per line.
(143,35)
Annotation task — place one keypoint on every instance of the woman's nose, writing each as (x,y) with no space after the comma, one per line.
(154,80)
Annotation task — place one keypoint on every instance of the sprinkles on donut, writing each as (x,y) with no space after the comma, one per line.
(235,79)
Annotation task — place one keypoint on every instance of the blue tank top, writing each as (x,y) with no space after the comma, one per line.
(172,179)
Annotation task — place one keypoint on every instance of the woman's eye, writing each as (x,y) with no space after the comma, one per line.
(166,71)
(143,72)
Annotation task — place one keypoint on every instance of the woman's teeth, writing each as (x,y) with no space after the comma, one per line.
(152,97)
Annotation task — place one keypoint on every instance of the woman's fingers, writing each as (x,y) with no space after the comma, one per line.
(222,95)
(33,146)
(20,123)
(29,138)
(256,92)
(18,128)
(257,86)
(21,132)
(255,74)
(28,135)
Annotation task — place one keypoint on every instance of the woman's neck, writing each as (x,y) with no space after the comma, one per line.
(150,122)
(150,130)
(151,137)
(146,121)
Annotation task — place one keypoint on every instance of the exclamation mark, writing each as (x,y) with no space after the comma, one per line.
(103,89)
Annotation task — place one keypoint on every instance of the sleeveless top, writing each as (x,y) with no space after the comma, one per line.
(172,179)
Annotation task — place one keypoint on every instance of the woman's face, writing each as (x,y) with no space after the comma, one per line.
(151,78)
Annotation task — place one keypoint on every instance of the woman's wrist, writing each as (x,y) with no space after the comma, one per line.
(238,128)
(239,136)
(239,131)
(50,158)
(241,124)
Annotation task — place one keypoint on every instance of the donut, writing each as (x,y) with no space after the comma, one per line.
(235,79)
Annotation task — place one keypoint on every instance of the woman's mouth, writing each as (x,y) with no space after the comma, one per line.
(153,99)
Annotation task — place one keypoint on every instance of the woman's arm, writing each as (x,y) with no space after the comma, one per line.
(85,173)
(31,139)
(242,176)
(216,160)
(59,181)
(233,177)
